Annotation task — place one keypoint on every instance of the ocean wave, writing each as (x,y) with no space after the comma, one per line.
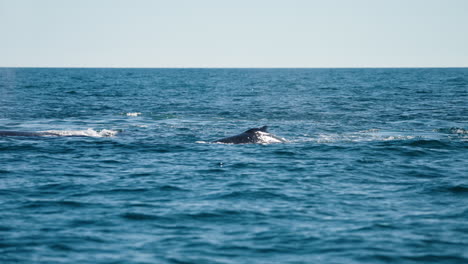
(251,195)
(220,215)
(53,203)
(372,130)
(457,80)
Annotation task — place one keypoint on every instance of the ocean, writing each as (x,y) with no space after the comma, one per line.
(122,168)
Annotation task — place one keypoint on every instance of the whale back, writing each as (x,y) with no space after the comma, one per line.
(20,134)
(251,136)
(261,129)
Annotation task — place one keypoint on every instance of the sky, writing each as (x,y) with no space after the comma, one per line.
(240,33)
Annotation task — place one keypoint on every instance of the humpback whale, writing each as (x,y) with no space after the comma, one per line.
(252,136)
(60,133)
(25,134)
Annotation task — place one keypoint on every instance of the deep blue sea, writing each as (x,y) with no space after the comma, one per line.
(374,169)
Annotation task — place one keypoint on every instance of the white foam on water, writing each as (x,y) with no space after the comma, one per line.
(81,133)
(133,114)
(363,136)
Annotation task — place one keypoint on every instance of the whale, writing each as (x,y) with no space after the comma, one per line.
(25,134)
(60,133)
(252,136)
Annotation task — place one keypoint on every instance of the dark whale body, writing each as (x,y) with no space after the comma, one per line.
(37,134)
(25,134)
(59,133)
(252,136)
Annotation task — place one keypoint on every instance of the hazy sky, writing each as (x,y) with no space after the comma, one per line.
(236,33)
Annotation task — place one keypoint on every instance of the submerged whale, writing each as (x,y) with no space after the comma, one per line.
(60,133)
(252,136)
(25,134)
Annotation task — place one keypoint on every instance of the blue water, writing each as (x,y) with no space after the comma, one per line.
(374,171)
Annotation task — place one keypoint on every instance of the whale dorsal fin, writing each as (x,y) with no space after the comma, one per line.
(262,129)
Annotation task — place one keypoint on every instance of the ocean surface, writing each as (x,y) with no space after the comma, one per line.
(122,168)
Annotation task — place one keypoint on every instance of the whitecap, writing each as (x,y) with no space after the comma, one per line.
(133,114)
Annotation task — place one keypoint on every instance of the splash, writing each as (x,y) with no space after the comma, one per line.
(80,133)
(267,138)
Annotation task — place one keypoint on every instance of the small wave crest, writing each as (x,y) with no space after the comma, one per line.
(132,114)
(81,133)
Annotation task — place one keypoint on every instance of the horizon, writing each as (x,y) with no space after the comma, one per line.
(210,34)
